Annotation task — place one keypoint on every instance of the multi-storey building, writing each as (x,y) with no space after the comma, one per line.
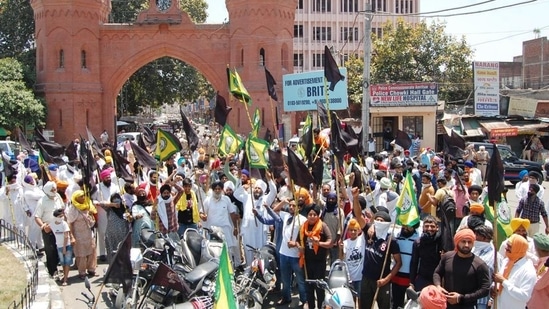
(339,24)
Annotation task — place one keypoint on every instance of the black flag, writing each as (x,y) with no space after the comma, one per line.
(322,115)
(403,139)
(120,270)
(221,110)
(149,137)
(119,164)
(276,161)
(331,71)
(494,177)
(192,138)
(70,152)
(8,168)
(271,85)
(299,172)
(23,141)
(143,157)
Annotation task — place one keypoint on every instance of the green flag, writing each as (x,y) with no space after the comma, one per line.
(256,123)
(166,145)
(224,295)
(229,141)
(236,88)
(504,229)
(307,138)
(406,207)
(257,151)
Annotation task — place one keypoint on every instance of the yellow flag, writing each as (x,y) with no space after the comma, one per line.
(166,145)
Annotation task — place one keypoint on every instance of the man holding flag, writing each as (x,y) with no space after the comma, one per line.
(408,217)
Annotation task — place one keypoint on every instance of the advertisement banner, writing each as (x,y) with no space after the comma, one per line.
(503,132)
(486,83)
(420,94)
(303,90)
(523,106)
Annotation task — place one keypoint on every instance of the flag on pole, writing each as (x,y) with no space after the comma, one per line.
(331,71)
(256,123)
(192,138)
(322,115)
(299,172)
(494,177)
(271,85)
(307,138)
(166,145)
(120,270)
(406,207)
(8,168)
(237,89)
(504,215)
(229,141)
(221,110)
(257,151)
(23,140)
(142,156)
(403,139)
(224,295)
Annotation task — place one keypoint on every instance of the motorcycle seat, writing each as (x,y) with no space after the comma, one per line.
(200,272)
(193,241)
(338,276)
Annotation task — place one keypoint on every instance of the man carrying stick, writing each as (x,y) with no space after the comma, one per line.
(377,272)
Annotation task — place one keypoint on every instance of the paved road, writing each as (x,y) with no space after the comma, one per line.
(76,285)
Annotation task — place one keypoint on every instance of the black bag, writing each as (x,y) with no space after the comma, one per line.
(447,206)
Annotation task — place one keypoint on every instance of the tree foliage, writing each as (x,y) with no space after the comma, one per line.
(18,106)
(16,27)
(417,53)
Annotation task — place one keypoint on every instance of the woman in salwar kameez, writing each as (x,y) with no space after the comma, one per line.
(117,226)
(81,222)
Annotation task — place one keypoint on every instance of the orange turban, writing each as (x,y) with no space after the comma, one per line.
(519,246)
(308,200)
(477,208)
(432,298)
(353,224)
(517,222)
(463,234)
(61,184)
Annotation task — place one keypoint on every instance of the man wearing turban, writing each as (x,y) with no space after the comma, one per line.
(462,276)
(101,199)
(517,276)
(540,294)
(520,227)
(532,207)
(253,232)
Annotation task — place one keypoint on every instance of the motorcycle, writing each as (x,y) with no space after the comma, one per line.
(256,280)
(339,294)
(90,300)
(413,299)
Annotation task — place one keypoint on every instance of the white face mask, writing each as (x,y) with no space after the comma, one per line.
(425,185)
(481,245)
(382,228)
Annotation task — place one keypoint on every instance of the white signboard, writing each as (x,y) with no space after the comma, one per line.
(486,83)
(523,106)
(303,90)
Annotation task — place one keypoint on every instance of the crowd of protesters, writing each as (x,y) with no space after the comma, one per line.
(449,256)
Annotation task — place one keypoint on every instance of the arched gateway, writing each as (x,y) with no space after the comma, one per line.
(83,61)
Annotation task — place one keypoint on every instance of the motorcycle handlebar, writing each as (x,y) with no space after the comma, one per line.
(252,248)
(86,296)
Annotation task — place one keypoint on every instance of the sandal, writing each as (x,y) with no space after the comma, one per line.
(64,283)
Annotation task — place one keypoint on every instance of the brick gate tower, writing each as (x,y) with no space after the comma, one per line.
(83,61)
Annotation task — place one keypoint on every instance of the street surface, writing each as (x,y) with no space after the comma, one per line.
(76,285)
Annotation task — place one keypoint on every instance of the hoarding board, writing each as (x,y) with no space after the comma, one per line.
(419,94)
(486,83)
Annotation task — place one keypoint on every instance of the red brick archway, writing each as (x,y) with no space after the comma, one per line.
(83,61)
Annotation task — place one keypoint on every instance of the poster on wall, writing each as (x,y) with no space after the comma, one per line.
(486,83)
(400,95)
(525,107)
(303,90)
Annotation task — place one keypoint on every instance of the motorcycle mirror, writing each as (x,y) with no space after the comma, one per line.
(87,283)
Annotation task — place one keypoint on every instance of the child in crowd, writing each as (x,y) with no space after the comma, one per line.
(353,248)
(61,230)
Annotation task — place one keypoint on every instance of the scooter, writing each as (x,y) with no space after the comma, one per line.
(339,293)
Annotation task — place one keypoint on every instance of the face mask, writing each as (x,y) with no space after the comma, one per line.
(382,228)
(330,206)
(481,245)
(425,185)
(217,195)
(50,194)
(141,198)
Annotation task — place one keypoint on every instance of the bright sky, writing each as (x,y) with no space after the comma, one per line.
(495,35)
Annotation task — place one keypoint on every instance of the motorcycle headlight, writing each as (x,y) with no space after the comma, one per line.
(269,278)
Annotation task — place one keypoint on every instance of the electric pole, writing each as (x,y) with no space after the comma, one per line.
(368,16)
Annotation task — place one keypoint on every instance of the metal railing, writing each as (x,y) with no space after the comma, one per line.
(18,242)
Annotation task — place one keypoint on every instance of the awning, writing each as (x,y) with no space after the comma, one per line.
(471,127)
(499,128)
(532,128)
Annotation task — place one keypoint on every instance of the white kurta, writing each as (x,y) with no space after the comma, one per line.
(103,195)
(253,232)
(13,206)
(31,196)
(517,289)
(219,214)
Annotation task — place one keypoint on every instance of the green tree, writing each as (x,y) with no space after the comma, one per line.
(16,27)
(18,105)
(417,53)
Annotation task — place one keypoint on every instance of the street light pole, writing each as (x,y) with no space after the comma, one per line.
(368,16)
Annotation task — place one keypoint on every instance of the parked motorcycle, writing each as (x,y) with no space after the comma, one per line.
(339,293)
(413,299)
(256,280)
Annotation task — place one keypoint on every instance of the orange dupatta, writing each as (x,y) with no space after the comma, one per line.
(304,231)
